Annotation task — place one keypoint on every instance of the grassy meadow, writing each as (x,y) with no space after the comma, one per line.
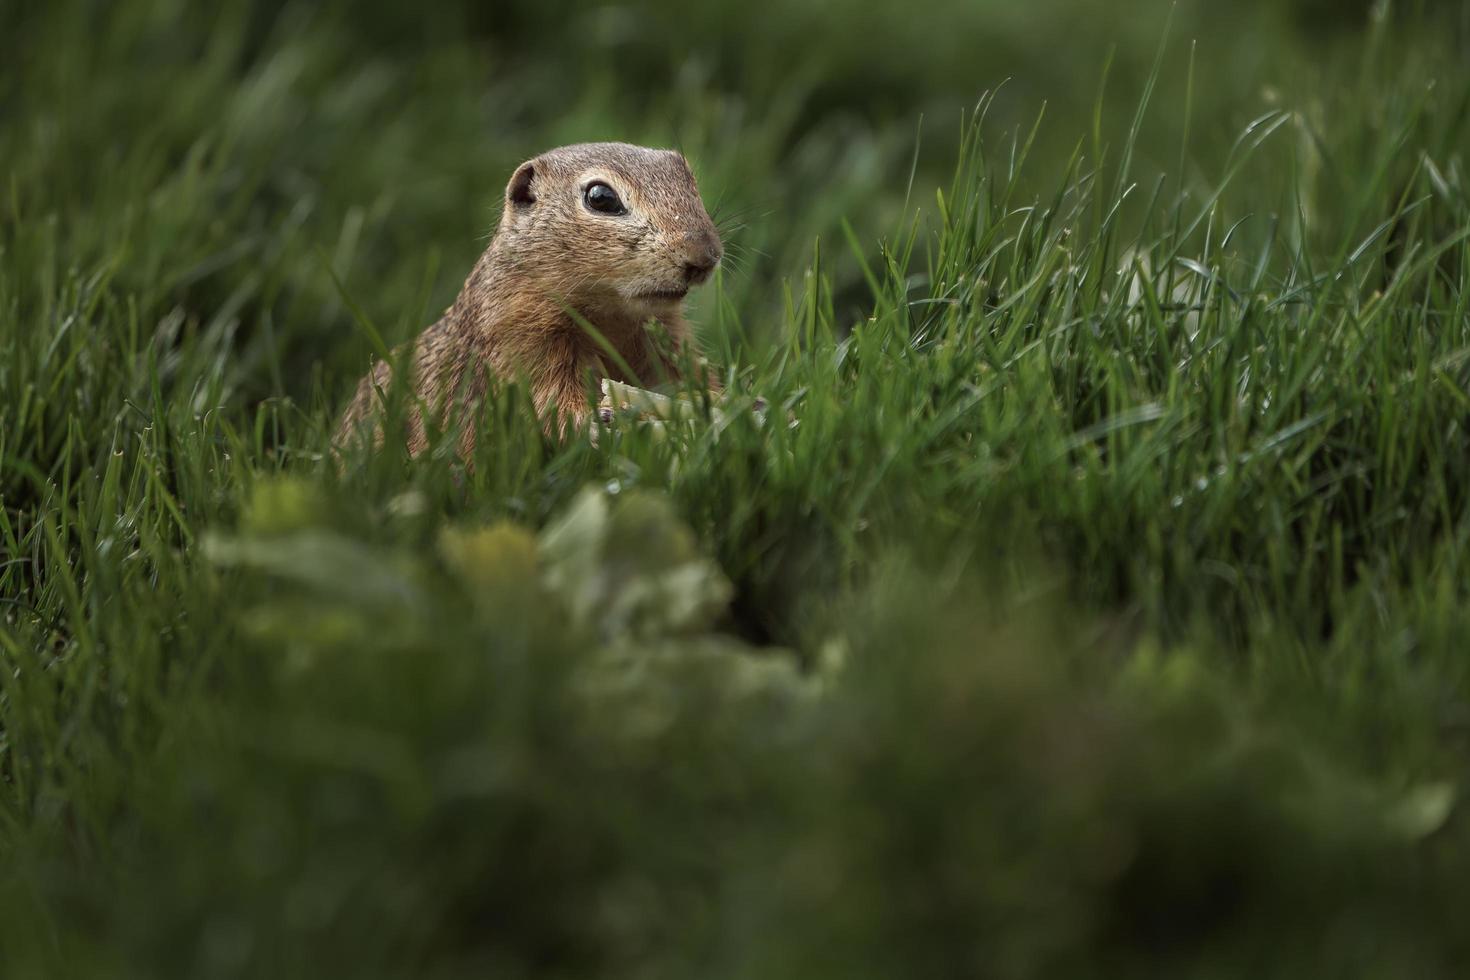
(1105,612)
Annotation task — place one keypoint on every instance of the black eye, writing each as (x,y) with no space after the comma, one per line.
(603,199)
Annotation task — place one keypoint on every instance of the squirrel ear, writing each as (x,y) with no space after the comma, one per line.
(519,190)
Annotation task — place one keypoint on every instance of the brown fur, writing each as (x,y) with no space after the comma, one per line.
(552,255)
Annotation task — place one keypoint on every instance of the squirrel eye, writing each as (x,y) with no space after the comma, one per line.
(603,199)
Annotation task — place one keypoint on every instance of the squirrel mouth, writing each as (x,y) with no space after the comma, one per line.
(665,295)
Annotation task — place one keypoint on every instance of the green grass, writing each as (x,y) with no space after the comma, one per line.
(1103,613)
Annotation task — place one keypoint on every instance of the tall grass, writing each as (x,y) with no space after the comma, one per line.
(1100,613)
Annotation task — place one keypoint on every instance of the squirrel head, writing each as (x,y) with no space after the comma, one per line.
(600,225)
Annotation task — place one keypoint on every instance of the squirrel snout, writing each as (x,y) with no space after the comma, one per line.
(697,272)
(702,255)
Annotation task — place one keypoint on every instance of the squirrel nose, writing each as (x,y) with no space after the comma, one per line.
(701,260)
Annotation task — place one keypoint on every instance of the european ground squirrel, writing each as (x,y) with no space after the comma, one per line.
(605,234)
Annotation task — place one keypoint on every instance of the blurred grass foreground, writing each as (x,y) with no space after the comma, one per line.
(1104,614)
